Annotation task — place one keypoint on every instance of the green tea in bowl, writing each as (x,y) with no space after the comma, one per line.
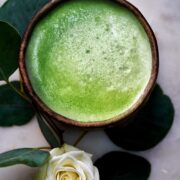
(89,62)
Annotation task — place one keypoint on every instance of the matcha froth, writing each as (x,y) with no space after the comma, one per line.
(89,60)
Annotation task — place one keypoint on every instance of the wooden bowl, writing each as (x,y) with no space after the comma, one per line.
(60,120)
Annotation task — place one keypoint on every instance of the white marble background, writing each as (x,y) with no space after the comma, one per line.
(164,17)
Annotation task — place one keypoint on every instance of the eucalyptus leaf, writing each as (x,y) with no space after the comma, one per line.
(52,135)
(19,13)
(123,166)
(149,126)
(28,156)
(14,110)
(9,47)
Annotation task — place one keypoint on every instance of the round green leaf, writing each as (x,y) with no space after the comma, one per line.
(19,13)
(149,126)
(9,47)
(123,166)
(28,156)
(50,132)
(14,110)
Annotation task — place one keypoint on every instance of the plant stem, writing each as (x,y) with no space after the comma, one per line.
(18,91)
(80,138)
(13,87)
(44,148)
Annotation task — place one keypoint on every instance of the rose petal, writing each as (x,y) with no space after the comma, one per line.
(72,161)
(96,174)
(78,155)
(42,173)
(69,159)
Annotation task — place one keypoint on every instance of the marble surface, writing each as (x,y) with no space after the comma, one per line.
(164,17)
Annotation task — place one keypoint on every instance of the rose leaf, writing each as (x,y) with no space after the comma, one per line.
(14,110)
(28,156)
(123,166)
(9,47)
(149,127)
(19,13)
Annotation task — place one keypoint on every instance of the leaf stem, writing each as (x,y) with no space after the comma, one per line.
(18,91)
(80,138)
(13,87)
(44,148)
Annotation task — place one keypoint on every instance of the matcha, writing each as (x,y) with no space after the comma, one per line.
(89,60)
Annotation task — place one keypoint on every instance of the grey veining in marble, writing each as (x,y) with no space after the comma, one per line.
(164,17)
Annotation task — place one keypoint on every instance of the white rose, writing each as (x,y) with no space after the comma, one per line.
(68,163)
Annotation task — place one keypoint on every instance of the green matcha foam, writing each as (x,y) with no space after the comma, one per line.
(89,60)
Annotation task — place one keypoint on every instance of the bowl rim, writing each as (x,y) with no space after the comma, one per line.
(57,117)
